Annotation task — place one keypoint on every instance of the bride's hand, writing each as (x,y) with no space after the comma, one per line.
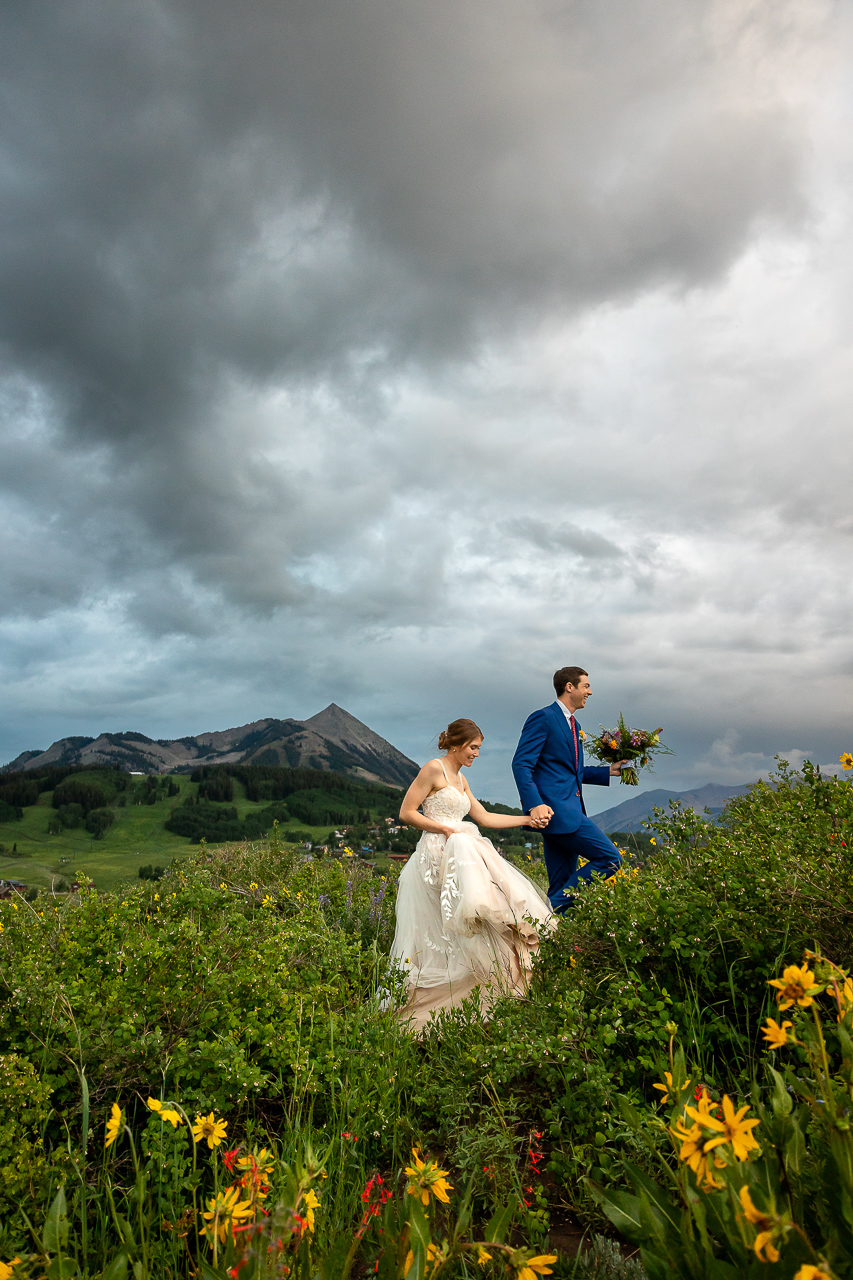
(447,832)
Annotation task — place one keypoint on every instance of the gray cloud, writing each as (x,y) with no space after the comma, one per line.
(397,353)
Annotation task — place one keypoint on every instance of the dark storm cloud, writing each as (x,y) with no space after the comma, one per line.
(333,329)
(290,190)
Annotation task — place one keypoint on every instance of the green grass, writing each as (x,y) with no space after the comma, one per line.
(137,837)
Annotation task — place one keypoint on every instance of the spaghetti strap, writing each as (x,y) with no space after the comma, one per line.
(444,771)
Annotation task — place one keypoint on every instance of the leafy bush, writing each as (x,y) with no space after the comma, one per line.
(70,815)
(8,813)
(695,935)
(98,821)
(26,1168)
(151,872)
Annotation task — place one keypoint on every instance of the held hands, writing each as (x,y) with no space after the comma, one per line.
(540,816)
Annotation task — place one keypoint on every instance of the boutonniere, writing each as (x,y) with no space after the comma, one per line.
(581,735)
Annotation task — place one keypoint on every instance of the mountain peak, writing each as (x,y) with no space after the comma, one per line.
(333,739)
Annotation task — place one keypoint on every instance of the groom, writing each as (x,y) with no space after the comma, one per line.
(549,772)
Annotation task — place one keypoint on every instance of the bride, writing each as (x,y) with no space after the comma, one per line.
(465,916)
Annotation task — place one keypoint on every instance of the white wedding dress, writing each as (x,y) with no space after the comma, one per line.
(465,916)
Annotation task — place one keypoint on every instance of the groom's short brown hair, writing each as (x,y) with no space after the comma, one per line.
(567,675)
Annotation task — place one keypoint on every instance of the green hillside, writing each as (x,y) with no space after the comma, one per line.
(38,850)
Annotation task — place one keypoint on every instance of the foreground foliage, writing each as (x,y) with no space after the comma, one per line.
(247,986)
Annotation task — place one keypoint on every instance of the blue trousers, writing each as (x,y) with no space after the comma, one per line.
(561,858)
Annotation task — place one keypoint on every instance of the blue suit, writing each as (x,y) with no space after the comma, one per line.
(549,769)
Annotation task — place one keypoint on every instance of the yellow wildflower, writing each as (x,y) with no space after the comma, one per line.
(776,1035)
(539,1266)
(665,1088)
(808,1272)
(113,1125)
(310,1202)
(209,1128)
(253,885)
(433,1255)
(732,1128)
(692,1141)
(796,986)
(846,760)
(226,1211)
(763,1246)
(165,1113)
(6,1268)
(426,1179)
(705,1106)
(843,992)
(483,1256)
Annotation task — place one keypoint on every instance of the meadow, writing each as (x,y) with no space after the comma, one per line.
(136,838)
(208,1078)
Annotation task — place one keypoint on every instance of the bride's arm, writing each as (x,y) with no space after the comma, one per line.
(426,782)
(483,818)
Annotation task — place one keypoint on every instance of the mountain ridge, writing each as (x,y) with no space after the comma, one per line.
(630,815)
(332,739)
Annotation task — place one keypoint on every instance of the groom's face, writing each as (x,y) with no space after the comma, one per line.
(577,694)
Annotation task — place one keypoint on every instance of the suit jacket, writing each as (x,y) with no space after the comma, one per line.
(547,772)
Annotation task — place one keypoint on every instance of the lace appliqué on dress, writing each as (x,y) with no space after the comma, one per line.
(438,861)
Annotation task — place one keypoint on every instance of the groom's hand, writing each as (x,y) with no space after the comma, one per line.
(542,813)
(616,767)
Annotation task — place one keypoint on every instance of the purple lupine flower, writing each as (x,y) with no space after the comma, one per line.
(376,900)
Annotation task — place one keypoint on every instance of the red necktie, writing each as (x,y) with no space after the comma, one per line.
(574,725)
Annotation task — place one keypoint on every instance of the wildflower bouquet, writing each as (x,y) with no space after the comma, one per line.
(623,743)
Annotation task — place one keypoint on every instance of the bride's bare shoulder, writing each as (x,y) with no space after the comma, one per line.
(432,769)
(432,776)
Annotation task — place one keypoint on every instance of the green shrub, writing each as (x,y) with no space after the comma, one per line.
(695,934)
(151,872)
(70,815)
(26,1168)
(98,821)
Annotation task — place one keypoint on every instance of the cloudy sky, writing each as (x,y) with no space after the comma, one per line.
(397,352)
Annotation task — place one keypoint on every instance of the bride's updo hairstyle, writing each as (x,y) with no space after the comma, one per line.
(457,733)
